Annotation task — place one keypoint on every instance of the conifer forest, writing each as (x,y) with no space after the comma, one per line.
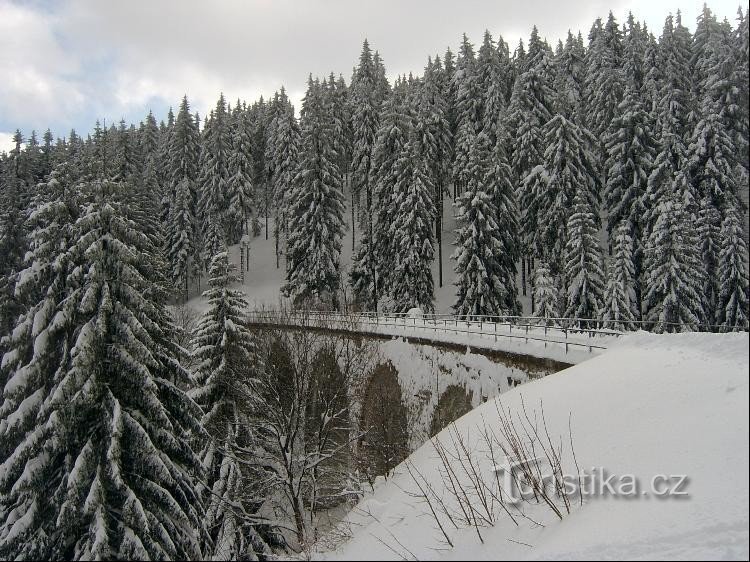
(597,182)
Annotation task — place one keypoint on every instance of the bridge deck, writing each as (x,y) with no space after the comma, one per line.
(517,335)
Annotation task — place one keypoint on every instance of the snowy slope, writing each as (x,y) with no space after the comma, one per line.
(263,281)
(669,404)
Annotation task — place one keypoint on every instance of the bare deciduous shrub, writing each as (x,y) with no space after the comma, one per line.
(185,318)
(520,450)
(303,426)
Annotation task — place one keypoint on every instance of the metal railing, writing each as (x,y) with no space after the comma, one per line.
(566,332)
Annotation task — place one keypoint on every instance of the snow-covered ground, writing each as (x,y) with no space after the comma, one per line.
(650,405)
(263,281)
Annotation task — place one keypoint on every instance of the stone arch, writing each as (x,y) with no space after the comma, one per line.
(327,425)
(453,403)
(383,417)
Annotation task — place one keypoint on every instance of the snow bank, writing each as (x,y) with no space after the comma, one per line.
(650,405)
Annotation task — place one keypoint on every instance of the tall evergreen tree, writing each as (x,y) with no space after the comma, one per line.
(546,292)
(733,310)
(709,226)
(630,152)
(374,261)
(213,178)
(584,275)
(469,112)
(13,233)
(433,129)
(621,305)
(183,229)
(286,150)
(674,273)
(239,186)
(528,113)
(604,76)
(568,170)
(227,363)
(316,220)
(411,283)
(489,75)
(485,286)
(105,468)
(364,114)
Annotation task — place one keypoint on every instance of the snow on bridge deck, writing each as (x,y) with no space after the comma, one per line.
(556,339)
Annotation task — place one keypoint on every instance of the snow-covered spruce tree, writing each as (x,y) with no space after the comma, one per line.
(482,279)
(490,70)
(224,350)
(469,113)
(105,468)
(741,80)
(364,115)
(604,76)
(433,128)
(569,171)
(733,313)
(584,274)
(338,110)
(712,155)
(709,227)
(163,160)
(343,117)
(275,111)
(13,242)
(528,112)
(316,217)
(259,114)
(183,230)
(673,270)
(180,249)
(675,99)
(668,177)
(546,292)
(621,307)
(28,375)
(363,276)
(371,264)
(286,150)
(212,180)
(239,185)
(507,218)
(414,212)
(634,45)
(630,149)
(569,78)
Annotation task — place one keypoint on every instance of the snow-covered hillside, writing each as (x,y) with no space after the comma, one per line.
(263,281)
(651,405)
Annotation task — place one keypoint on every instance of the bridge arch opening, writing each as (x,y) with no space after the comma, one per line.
(384,419)
(453,403)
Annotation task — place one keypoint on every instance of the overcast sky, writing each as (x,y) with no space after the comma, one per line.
(67,63)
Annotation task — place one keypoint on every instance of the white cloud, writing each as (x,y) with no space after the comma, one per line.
(38,77)
(87,59)
(6,142)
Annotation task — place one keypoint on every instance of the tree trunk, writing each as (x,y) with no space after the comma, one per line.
(265,195)
(439,232)
(352,192)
